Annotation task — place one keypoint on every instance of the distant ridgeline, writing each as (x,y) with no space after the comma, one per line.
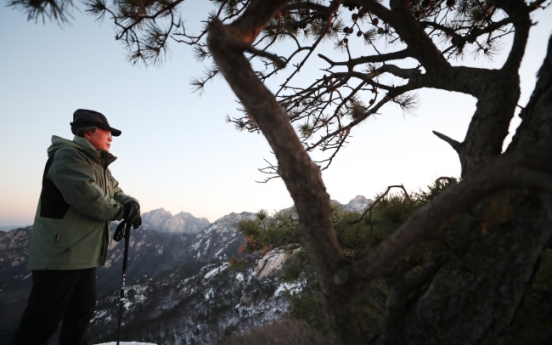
(4,228)
(177,275)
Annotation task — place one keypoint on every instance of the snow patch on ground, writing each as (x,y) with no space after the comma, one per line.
(210,293)
(293,288)
(126,343)
(127,304)
(216,271)
(98,315)
(217,254)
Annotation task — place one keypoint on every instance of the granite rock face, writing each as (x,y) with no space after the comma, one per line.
(164,221)
(272,262)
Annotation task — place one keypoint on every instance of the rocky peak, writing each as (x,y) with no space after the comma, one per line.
(185,215)
(163,220)
(156,218)
(358,203)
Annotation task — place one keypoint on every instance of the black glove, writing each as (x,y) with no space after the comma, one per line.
(132,217)
(137,222)
(132,214)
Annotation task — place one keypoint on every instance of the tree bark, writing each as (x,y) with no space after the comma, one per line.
(302,177)
(473,300)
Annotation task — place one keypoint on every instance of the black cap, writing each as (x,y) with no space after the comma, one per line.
(83,118)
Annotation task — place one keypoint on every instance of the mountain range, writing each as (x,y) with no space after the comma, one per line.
(180,287)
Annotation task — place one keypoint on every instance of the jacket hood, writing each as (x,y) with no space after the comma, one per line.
(83,145)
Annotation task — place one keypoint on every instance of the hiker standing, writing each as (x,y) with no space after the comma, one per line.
(70,234)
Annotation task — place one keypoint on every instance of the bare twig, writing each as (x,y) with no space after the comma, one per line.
(278,62)
(455,144)
(402,54)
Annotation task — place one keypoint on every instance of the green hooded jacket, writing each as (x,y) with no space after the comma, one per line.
(79,198)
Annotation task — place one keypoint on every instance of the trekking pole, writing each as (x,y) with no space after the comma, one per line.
(117,237)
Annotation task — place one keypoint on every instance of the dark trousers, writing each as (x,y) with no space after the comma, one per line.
(68,297)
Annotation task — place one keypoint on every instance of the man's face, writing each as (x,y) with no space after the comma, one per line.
(100,138)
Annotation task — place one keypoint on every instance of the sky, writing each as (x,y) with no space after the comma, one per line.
(177,151)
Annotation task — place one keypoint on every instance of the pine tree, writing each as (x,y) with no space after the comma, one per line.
(506,195)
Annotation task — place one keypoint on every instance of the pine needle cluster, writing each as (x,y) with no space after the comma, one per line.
(265,233)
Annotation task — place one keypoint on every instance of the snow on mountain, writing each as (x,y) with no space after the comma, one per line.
(219,240)
(15,280)
(164,221)
(180,288)
(126,343)
(217,301)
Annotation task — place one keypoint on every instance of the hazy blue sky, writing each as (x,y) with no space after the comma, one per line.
(176,150)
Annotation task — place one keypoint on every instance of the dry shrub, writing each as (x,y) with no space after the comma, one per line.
(284,332)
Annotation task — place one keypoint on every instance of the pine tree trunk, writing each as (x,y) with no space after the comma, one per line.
(472,300)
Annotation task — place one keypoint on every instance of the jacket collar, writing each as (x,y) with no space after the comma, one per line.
(99,156)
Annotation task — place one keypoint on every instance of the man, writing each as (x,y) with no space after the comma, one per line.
(70,235)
